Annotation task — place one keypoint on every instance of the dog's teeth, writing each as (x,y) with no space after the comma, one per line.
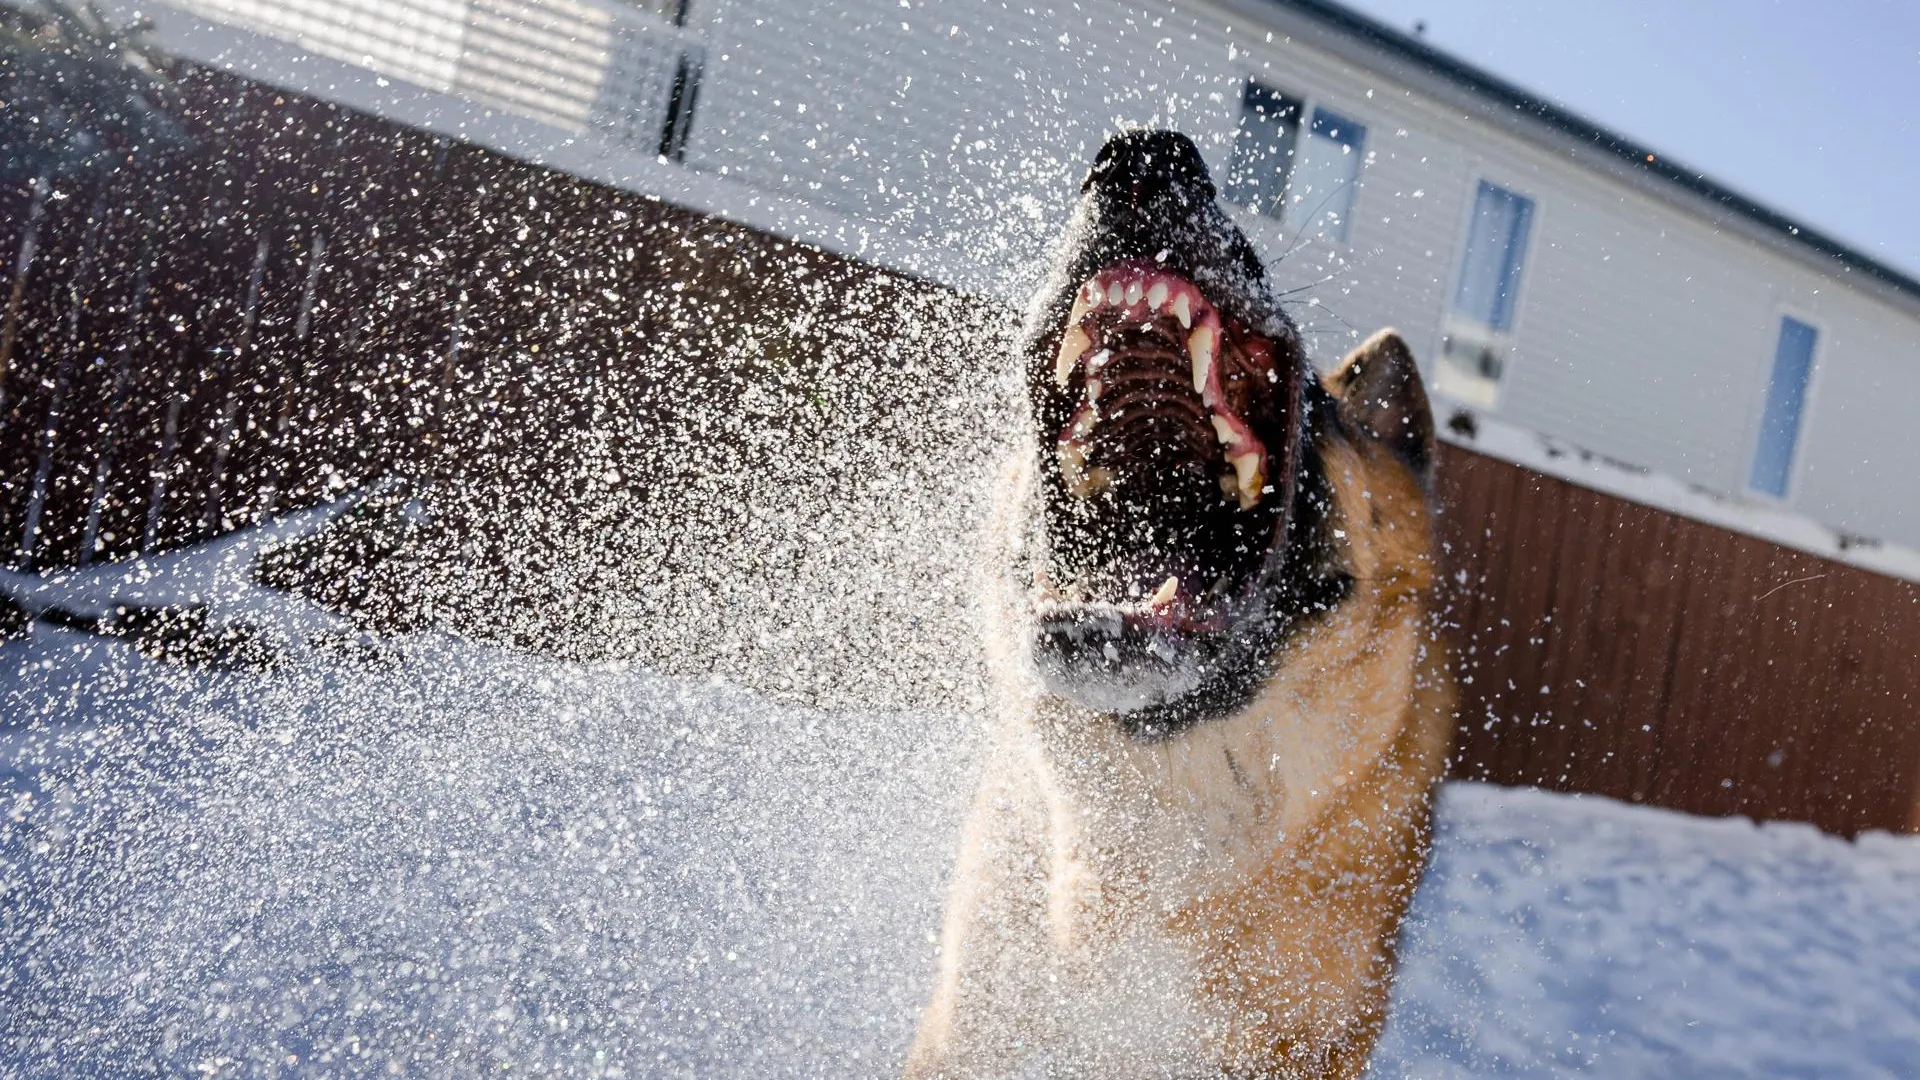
(1183,311)
(1246,470)
(1200,348)
(1223,430)
(1157,296)
(1072,347)
(1230,484)
(1085,483)
(1094,386)
(1098,360)
(1115,294)
(1095,291)
(1164,595)
(1135,292)
(1247,467)
(1072,460)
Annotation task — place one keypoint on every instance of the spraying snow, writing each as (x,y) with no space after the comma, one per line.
(433,857)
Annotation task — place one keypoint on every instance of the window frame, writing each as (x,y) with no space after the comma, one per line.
(1808,399)
(1309,105)
(1477,173)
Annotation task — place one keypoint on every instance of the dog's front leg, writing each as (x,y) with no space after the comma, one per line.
(988,1009)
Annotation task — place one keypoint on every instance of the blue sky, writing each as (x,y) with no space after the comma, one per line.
(1806,106)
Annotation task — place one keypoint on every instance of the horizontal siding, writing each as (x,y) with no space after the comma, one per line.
(576,65)
(416,40)
(860,112)
(1644,334)
(1861,443)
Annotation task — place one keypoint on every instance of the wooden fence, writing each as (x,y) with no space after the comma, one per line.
(312,298)
(1613,648)
(315,298)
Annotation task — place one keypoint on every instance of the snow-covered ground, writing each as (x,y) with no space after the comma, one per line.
(437,859)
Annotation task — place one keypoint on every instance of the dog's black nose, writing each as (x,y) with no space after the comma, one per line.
(1140,166)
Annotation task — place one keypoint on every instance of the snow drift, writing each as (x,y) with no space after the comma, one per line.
(433,858)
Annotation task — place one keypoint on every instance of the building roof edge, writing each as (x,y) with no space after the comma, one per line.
(1512,96)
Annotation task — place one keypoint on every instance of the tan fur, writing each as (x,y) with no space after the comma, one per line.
(1224,902)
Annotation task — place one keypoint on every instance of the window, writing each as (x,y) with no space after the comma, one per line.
(1786,401)
(1305,179)
(1320,198)
(650,83)
(1263,149)
(1496,252)
(1474,349)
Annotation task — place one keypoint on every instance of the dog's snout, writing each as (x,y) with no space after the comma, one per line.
(1140,167)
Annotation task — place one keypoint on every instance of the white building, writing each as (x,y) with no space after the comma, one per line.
(1599,312)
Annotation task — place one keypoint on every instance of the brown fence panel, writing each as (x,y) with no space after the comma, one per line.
(1613,648)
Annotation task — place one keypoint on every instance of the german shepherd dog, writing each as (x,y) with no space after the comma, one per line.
(1207,806)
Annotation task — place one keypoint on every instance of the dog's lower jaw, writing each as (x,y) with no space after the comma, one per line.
(1122,693)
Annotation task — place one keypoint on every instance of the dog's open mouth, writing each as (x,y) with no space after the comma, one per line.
(1170,474)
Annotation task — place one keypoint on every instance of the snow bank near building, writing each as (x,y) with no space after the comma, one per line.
(443,859)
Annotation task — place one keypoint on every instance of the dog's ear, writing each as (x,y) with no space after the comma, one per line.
(1381,395)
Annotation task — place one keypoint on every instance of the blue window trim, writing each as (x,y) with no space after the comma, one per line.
(1505,300)
(1340,129)
(1258,184)
(1784,411)
(1260,174)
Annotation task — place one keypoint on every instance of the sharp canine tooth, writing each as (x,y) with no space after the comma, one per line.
(1073,465)
(1072,346)
(1182,311)
(1164,595)
(1157,296)
(1223,430)
(1115,294)
(1246,469)
(1200,348)
(1082,481)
